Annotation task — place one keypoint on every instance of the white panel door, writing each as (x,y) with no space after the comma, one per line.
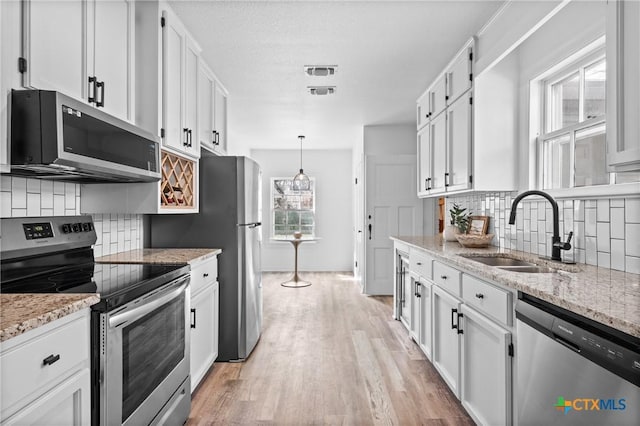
(173,45)
(203,333)
(56,53)
(191,52)
(425,159)
(424,303)
(446,340)
(459,76)
(112,55)
(438,96)
(391,208)
(359,224)
(220,119)
(439,149)
(486,364)
(206,87)
(459,144)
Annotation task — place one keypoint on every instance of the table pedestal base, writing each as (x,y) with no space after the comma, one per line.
(296,283)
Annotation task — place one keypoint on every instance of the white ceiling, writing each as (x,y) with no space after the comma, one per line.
(386,51)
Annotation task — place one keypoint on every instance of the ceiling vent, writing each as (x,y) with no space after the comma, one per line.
(321,90)
(320,70)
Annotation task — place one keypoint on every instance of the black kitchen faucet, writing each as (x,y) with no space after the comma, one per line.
(557,245)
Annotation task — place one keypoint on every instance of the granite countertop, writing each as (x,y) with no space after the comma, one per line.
(179,256)
(20,313)
(605,295)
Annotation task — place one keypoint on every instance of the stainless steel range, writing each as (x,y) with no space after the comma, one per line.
(140,327)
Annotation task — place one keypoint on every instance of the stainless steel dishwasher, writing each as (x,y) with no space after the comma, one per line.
(572,370)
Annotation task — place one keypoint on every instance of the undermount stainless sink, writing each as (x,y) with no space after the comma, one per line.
(500,261)
(510,264)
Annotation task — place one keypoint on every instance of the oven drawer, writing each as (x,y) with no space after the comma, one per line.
(204,273)
(32,367)
(487,298)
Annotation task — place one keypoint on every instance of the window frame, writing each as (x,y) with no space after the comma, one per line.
(273,209)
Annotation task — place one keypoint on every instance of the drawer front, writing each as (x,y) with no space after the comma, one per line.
(204,273)
(447,277)
(487,298)
(420,263)
(24,371)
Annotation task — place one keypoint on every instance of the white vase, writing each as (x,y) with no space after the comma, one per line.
(450,232)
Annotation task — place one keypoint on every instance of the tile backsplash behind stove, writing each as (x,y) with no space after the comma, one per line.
(20,197)
(606,232)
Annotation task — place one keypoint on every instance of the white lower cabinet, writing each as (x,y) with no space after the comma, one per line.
(406,298)
(45,374)
(446,340)
(205,309)
(485,369)
(424,316)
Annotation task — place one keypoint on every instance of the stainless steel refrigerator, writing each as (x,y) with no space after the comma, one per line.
(230,218)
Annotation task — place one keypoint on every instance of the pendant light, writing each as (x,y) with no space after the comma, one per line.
(301,181)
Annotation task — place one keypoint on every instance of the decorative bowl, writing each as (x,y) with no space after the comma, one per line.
(297,235)
(473,240)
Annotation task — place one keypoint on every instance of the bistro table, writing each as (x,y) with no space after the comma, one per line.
(295,281)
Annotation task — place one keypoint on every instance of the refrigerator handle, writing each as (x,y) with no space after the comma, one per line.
(251,225)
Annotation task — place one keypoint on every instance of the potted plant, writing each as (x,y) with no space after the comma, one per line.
(459,223)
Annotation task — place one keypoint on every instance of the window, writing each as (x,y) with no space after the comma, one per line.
(292,210)
(571,141)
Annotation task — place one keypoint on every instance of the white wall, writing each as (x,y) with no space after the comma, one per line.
(332,170)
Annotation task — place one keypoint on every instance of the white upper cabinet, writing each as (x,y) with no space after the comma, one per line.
(212,112)
(180,86)
(88,57)
(623,85)
(459,76)
(426,158)
(10,34)
(438,96)
(220,127)
(439,149)
(458,144)
(422,110)
(113,56)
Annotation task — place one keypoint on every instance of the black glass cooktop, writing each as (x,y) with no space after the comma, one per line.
(116,283)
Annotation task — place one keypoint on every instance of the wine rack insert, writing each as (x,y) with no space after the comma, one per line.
(177,190)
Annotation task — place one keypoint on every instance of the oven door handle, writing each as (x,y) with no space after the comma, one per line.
(169,292)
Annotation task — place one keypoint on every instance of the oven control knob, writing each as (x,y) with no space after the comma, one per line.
(66,228)
(76,227)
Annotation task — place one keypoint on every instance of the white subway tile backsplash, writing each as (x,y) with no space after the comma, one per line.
(617,254)
(633,239)
(632,264)
(606,231)
(632,210)
(603,237)
(602,210)
(617,223)
(32,197)
(5,204)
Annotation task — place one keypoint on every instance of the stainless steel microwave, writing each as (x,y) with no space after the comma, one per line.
(56,137)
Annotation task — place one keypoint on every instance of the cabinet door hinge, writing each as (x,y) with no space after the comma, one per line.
(470,100)
(470,179)
(510,349)
(22,65)
(471,56)
(356,181)
(471,77)
(162,133)
(162,21)
(356,264)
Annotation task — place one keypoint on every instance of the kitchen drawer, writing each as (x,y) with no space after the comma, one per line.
(487,298)
(420,263)
(204,273)
(447,277)
(24,373)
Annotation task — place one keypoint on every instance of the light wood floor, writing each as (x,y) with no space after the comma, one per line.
(327,355)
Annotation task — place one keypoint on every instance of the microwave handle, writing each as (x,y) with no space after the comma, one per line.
(169,292)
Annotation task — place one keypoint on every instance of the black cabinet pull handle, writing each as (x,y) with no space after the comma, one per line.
(453,317)
(446,179)
(419,263)
(369,231)
(100,85)
(205,275)
(213,137)
(480,295)
(460,315)
(217,138)
(51,359)
(91,98)
(444,277)
(190,138)
(185,132)
(426,184)
(429,184)
(193,316)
